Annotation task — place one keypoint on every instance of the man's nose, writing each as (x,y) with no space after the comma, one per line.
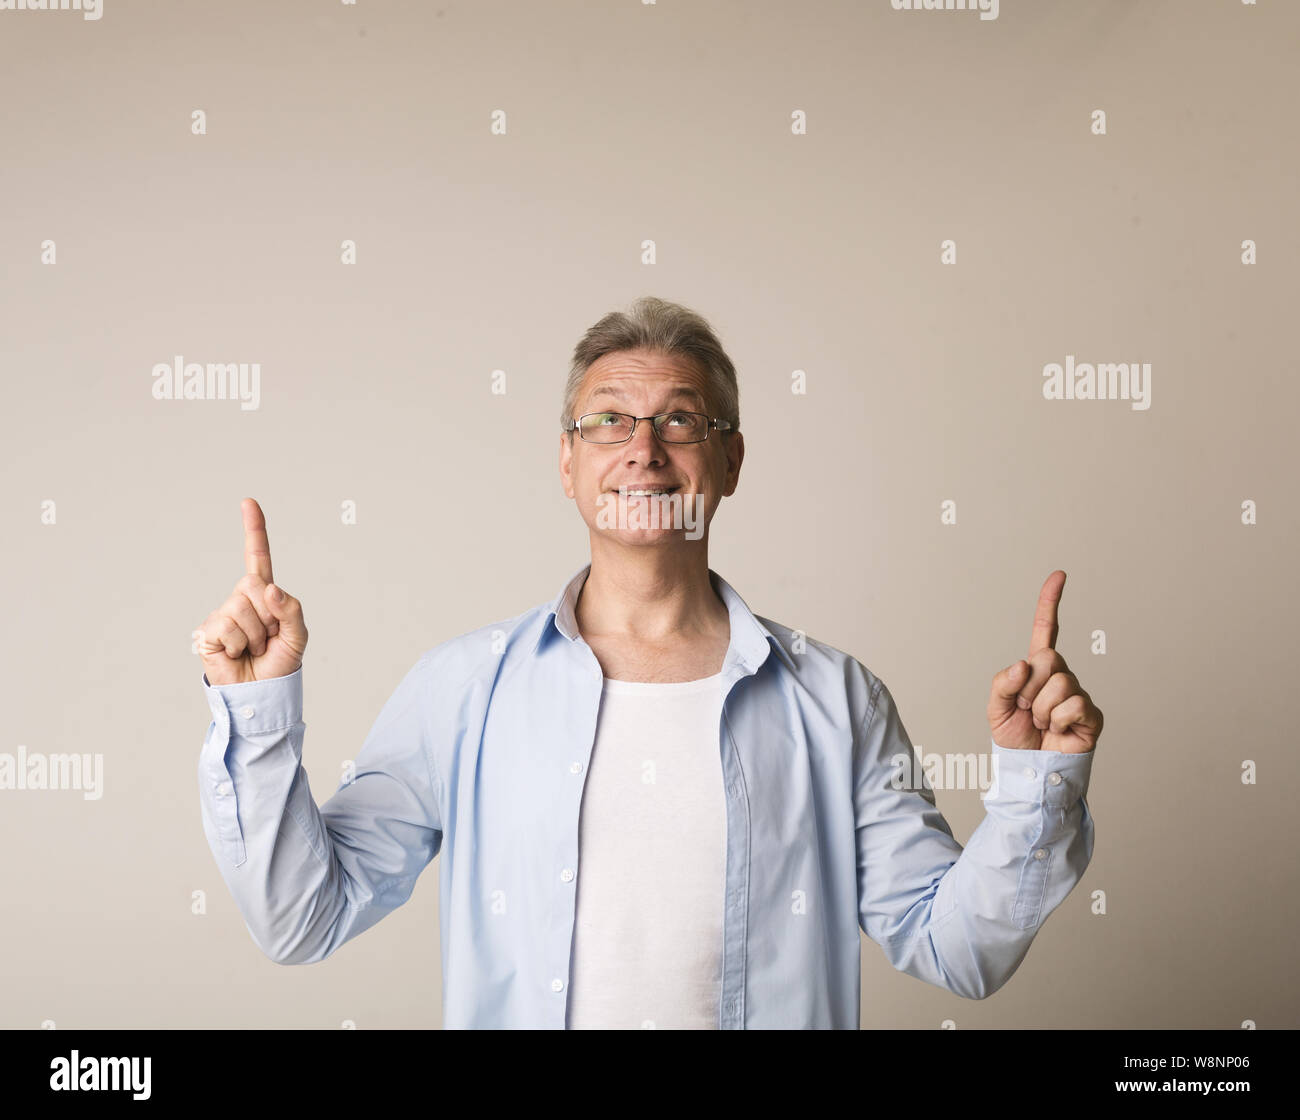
(644,446)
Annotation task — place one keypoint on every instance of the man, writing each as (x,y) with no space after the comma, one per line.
(654,808)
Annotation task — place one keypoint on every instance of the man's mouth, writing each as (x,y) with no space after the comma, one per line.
(648,492)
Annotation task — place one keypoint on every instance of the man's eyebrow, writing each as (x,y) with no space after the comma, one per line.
(617,394)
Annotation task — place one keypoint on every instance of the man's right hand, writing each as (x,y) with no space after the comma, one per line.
(253,636)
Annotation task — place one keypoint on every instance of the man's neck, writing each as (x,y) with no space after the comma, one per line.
(650,595)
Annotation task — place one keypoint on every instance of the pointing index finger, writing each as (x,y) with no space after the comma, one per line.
(1045,627)
(257,549)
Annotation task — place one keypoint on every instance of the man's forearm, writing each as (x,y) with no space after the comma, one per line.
(308,879)
(1024,858)
(262,824)
(963,918)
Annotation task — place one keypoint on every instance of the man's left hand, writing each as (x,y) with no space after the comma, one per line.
(1037,704)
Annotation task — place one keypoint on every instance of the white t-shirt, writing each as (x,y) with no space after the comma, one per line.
(652,845)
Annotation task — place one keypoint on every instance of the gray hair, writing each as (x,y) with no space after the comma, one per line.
(665,328)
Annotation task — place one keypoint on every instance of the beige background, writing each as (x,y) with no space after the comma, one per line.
(820,252)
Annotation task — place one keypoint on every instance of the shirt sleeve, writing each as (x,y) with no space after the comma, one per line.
(306,879)
(963,919)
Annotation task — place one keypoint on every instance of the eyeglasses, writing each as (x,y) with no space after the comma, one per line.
(671,427)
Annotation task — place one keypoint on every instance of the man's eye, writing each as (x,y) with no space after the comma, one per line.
(678,418)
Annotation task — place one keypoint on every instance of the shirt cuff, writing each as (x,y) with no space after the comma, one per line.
(253,707)
(1056,778)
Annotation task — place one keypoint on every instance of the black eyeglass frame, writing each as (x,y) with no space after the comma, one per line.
(711,424)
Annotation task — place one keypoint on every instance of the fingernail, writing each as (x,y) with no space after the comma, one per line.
(277,594)
(1022,703)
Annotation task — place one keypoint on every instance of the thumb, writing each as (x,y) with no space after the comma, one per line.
(288,612)
(1006,687)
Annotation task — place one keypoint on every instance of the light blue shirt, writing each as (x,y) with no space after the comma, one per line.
(481,753)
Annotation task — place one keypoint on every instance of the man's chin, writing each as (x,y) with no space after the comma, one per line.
(644,537)
(648,538)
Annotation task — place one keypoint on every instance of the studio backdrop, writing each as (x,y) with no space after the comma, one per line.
(1008,289)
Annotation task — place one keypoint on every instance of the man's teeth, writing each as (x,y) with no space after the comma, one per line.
(649,493)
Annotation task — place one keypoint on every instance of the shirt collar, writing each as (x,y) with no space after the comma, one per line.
(750,638)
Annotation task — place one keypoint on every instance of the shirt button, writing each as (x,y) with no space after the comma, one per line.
(567,875)
(1054,778)
(1030,772)
(1041,853)
(575,768)
(734,790)
(224,789)
(557,985)
(246,712)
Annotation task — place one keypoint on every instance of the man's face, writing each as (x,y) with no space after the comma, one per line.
(642,383)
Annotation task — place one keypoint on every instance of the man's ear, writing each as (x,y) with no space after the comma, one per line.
(566,464)
(735,456)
